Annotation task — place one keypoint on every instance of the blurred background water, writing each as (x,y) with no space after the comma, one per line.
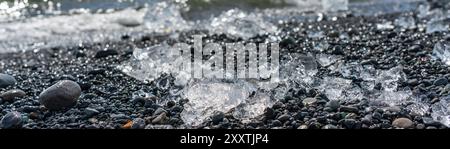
(17,9)
(33,24)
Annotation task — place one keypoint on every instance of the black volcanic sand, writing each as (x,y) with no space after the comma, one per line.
(110,92)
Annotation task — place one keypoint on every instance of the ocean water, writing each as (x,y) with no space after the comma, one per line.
(34,24)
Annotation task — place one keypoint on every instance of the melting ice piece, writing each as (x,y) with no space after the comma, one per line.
(335,88)
(207,97)
(406,22)
(315,34)
(441,111)
(326,60)
(356,70)
(385,26)
(442,51)
(418,108)
(389,79)
(321,46)
(299,67)
(437,26)
(238,23)
(149,63)
(334,5)
(393,98)
(165,17)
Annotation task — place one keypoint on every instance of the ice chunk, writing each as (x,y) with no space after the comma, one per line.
(441,51)
(423,11)
(385,26)
(437,26)
(334,5)
(149,63)
(389,79)
(418,108)
(441,111)
(326,60)
(315,34)
(299,67)
(406,22)
(335,88)
(165,17)
(238,23)
(226,96)
(321,46)
(393,98)
(357,71)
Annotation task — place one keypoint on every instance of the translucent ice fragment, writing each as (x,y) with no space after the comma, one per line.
(326,60)
(299,67)
(437,26)
(406,22)
(441,111)
(207,97)
(385,26)
(441,51)
(238,23)
(389,79)
(165,17)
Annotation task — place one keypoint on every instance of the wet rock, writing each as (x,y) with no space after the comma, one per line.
(284,117)
(6,80)
(138,123)
(402,123)
(11,120)
(129,22)
(106,53)
(89,112)
(440,81)
(12,94)
(217,117)
(160,119)
(309,101)
(333,105)
(63,94)
(348,109)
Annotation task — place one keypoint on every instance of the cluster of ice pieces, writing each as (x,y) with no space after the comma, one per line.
(437,18)
(206,97)
(165,17)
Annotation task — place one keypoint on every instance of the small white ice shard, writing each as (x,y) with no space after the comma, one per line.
(385,26)
(326,60)
(238,23)
(406,22)
(225,97)
(441,111)
(165,17)
(334,5)
(441,51)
